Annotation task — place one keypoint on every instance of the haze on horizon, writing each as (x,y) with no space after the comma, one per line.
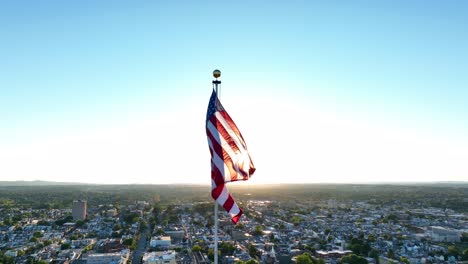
(107,92)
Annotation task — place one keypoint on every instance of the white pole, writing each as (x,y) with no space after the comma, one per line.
(216,74)
(216,232)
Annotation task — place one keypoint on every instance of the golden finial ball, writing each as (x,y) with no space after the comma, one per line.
(216,73)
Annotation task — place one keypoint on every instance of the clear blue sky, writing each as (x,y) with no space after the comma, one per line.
(78,71)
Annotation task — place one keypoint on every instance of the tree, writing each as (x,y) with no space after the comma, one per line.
(359,246)
(250,261)
(310,248)
(392,217)
(65,246)
(211,254)
(30,260)
(453,251)
(39,246)
(465,254)
(6,260)
(62,221)
(391,254)
(304,259)
(128,241)
(143,225)
(296,220)
(258,230)
(131,243)
(131,218)
(464,237)
(87,248)
(227,248)
(353,259)
(91,235)
(240,226)
(196,248)
(404,260)
(43,223)
(7,222)
(79,223)
(375,255)
(38,234)
(253,252)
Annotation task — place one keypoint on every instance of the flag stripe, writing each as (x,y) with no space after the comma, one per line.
(228,203)
(221,163)
(227,150)
(229,128)
(231,123)
(234,210)
(227,122)
(216,176)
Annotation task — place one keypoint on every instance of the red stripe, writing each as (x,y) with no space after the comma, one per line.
(233,126)
(223,155)
(225,135)
(236,218)
(228,203)
(232,143)
(216,192)
(252,168)
(216,175)
(219,126)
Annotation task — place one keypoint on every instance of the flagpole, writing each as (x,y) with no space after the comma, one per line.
(215,232)
(216,74)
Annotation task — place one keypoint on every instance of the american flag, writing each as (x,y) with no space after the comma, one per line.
(230,160)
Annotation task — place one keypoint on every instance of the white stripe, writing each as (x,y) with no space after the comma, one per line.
(219,162)
(234,210)
(213,184)
(223,196)
(240,158)
(234,156)
(239,142)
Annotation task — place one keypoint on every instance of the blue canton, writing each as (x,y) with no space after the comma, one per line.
(213,106)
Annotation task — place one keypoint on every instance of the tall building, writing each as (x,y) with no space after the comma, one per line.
(79,210)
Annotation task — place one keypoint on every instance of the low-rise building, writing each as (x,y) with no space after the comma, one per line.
(108,258)
(442,234)
(160,257)
(160,241)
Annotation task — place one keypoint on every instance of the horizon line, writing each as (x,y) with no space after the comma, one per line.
(45,182)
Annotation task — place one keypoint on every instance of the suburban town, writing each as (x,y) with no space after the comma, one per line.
(270,231)
(234,132)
